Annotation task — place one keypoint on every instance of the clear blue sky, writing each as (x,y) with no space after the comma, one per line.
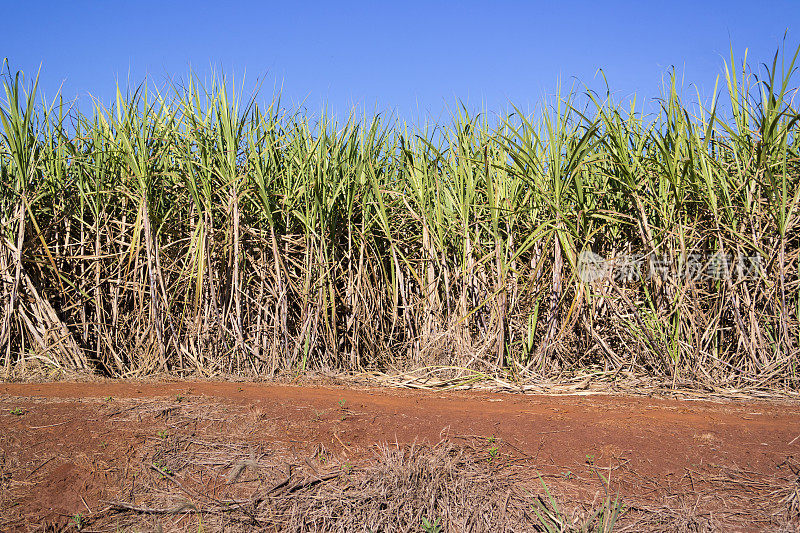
(410,58)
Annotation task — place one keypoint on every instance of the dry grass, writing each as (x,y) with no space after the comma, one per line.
(453,484)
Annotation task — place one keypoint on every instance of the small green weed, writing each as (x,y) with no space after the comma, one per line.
(494,453)
(77,521)
(161,466)
(553,520)
(431,527)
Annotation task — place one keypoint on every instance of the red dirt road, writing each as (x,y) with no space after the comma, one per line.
(57,438)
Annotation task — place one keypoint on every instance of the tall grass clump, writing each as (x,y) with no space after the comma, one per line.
(191,230)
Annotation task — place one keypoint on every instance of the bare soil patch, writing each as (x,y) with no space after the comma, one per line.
(242,456)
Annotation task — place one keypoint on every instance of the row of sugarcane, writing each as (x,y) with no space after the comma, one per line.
(191,231)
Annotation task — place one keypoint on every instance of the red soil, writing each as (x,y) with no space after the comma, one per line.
(55,459)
